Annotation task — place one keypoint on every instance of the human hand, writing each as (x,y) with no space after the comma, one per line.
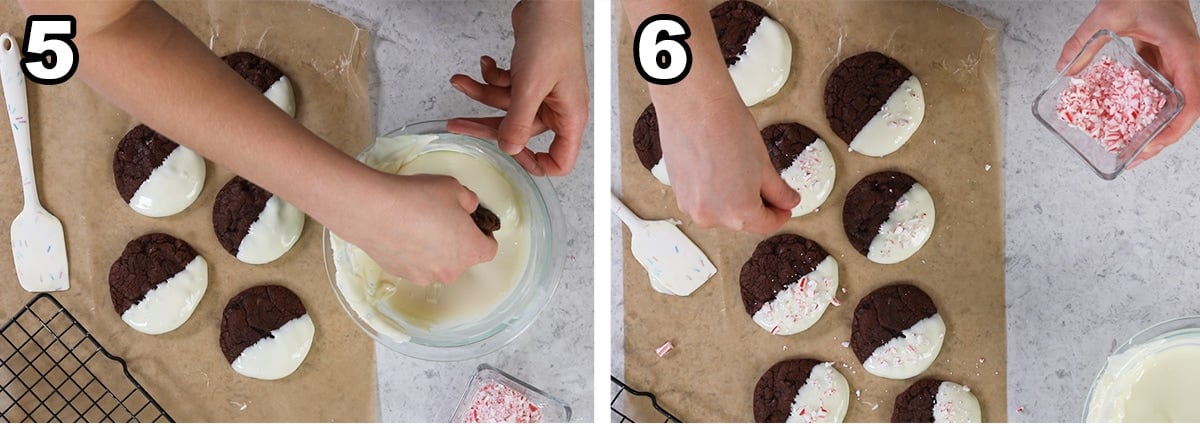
(546,89)
(719,168)
(416,227)
(1164,34)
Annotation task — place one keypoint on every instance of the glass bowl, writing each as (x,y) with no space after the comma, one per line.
(1106,164)
(1099,405)
(532,291)
(553,409)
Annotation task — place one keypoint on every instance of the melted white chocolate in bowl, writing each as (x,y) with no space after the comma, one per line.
(395,307)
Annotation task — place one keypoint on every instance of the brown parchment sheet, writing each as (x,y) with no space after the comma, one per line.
(75,133)
(719,352)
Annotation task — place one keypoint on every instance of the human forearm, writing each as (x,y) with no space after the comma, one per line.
(184,91)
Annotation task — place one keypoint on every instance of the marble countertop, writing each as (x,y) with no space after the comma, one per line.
(416,47)
(1088,262)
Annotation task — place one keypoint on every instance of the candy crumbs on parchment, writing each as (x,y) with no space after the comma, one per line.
(495,403)
(664,349)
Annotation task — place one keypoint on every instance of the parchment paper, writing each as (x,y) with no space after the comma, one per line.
(75,133)
(719,352)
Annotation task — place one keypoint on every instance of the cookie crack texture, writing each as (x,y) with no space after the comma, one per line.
(146,262)
(238,205)
(915,405)
(735,21)
(776,389)
(775,263)
(785,142)
(139,152)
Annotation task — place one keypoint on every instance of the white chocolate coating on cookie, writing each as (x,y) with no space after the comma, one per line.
(812,175)
(277,228)
(763,68)
(911,353)
(955,404)
(660,172)
(895,122)
(824,397)
(907,228)
(799,305)
(172,186)
(281,354)
(169,304)
(280,93)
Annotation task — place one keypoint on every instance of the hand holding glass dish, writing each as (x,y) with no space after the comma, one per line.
(491,303)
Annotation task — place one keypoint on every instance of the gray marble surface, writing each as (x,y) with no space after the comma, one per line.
(1088,262)
(416,47)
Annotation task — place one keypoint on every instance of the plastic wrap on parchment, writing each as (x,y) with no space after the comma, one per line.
(74,136)
(719,352)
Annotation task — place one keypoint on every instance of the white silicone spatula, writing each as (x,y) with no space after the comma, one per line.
(39,250)
(675,264)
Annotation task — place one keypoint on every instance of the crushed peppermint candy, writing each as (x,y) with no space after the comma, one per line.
(1110,102)
(664,349)
(495,403)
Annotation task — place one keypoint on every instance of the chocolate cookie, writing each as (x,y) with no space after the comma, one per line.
(801,390)
(936,401)
(265,332)
(155,176)
(646,144)
(803,161)
(874,103)
(757,49)
(157,282)
(888,216)
(254,225)
(264,76)
(897,331)
(486,220)
(735,21)
(787,283)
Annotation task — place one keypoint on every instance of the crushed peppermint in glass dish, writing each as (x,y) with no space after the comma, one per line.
(1111,102)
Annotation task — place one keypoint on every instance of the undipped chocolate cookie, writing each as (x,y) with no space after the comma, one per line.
(254,225)
(888,216)
(646,144)
(874,103)
(897,332)
(155,176)
(804,162)
(266,332)
(264,76)
(788,283)
(801,390)
(157,282)
(936,401)
(756,48)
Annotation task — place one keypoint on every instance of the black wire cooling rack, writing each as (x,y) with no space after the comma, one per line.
(52,369)
(629,405)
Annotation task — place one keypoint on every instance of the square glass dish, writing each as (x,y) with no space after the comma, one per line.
(1107,164)
(488,379)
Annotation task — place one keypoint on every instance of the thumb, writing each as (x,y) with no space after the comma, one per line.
(1095,21)
(517,126)
(776,192)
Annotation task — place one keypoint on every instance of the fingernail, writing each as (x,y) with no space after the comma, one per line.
(456,85)
(510,148)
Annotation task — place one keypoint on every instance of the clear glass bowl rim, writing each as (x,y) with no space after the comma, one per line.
(1162,330)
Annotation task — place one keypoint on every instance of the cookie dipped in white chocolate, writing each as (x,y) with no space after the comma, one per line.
(275,231)
(812,175)
(911,353)
(172,186)
(277,356)
(280,93)
(800,304)
(169,304)
(895,122)
(955,404)
(763,68)
(824,397)
(907,228)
